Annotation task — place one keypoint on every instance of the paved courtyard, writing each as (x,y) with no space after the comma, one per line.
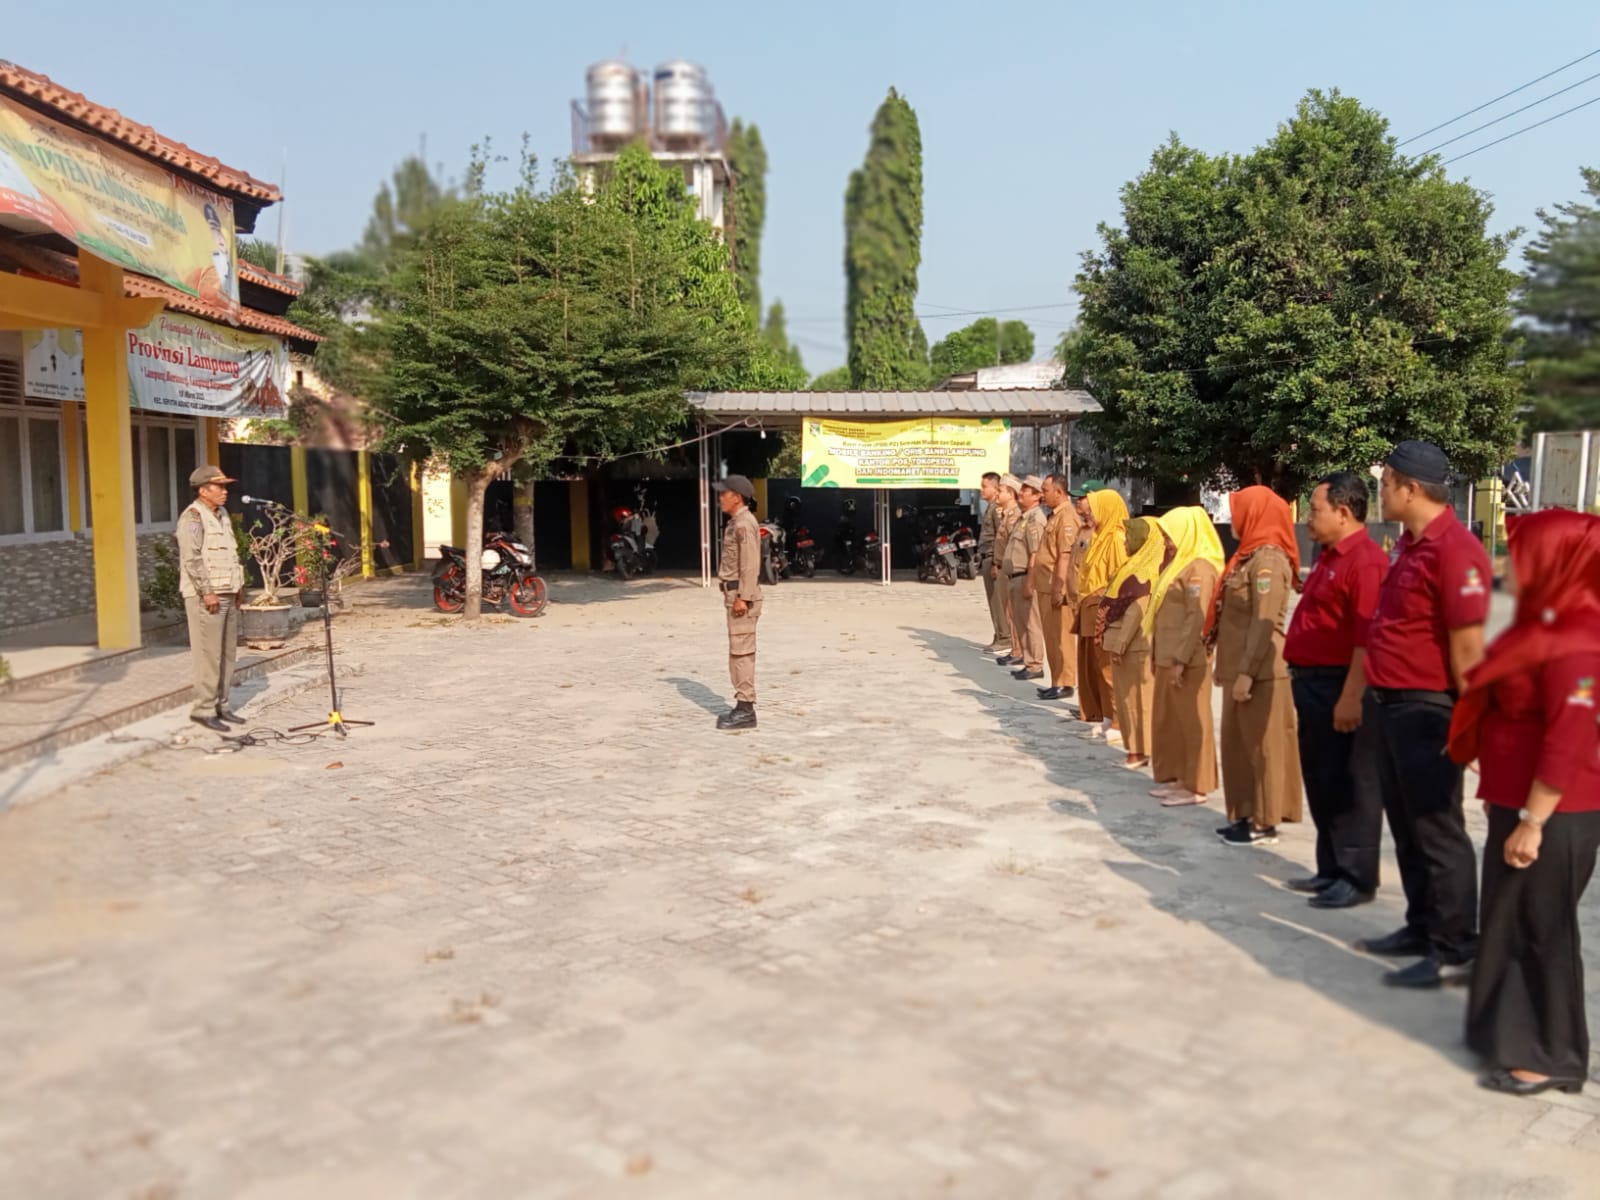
(543,932)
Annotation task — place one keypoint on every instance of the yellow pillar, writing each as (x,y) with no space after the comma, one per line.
(364,498)
(760,486)
(211,431)
(458,512)
(110,444)
(299,491)
(419,518)
(578,506)
(72,448)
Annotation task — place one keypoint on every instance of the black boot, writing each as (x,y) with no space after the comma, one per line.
(742,716)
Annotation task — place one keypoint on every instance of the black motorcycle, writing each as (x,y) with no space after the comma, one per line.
(966,543)
(633,537)
(508,577)
(936,552)
(799,546)
(849,555)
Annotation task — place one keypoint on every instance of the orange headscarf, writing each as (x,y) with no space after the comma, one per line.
(1261,517)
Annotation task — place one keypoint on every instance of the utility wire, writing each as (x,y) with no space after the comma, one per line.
(1512,113)
(1504,95)
(1519,132)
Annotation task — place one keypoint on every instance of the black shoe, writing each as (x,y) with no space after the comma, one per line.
(232,718)
(1067,693)
(212,723)
(1225,830)
(1340,894)
(741,716)
(1502,1080)
(1244,834)
(1402,943)
(1027,674)
(1005,660)
(1050,693)
(1311,883)
(1429,973)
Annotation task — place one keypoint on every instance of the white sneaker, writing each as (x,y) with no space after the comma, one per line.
(1114,738)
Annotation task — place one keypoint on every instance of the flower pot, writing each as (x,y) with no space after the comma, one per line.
(269,624)
(310,597)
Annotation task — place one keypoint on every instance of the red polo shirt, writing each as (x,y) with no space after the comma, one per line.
(1439,582)
(1541,725)
(1340,597)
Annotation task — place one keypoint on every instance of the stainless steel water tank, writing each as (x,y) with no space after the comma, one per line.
(683,101)
(615,92)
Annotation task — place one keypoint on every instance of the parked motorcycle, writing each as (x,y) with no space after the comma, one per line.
(799,545)
(633,537)
(935,549)
(508,577)
(966,543)
(872,553)
(774,559)
(849,555)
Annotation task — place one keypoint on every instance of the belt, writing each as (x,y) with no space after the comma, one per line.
(1318,672)
(730,585)
(1412,696)
(1018,574)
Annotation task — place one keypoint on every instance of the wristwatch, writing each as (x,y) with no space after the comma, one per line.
(1537,822)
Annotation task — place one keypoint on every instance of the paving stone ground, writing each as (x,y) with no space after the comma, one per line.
(543,932)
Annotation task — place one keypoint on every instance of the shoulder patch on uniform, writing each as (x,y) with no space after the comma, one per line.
(1582,693)
(1194,587)
(1472,583)
(1264,580)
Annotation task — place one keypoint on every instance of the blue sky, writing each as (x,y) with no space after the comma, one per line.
(1033,114)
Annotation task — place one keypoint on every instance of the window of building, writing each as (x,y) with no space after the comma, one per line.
(164,454)
(33,496)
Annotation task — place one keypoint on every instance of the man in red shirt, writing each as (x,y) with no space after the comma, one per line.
(1426,636)
(1324,649)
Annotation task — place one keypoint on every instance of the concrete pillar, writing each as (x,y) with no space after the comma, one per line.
(364,500)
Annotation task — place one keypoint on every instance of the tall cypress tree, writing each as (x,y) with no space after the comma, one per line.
(1560,306)
(883,248)
(747,161)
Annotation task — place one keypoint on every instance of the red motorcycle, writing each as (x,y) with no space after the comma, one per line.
(508,578)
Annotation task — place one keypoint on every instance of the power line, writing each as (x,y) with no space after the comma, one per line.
(1503,96)
(1518,132)
(1512,113)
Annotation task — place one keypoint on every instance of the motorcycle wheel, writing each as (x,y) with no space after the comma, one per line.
(625,567)
(529,596)
(947,577)
(769,574)
(810,568)
(449,589)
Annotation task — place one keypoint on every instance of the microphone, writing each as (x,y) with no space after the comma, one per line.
(259,500)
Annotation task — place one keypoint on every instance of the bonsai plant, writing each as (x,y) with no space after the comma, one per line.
(274,538)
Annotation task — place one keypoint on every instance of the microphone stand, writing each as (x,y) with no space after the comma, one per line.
(336,721)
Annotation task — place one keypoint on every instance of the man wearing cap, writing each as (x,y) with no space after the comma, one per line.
(209,578)
(1427,634)
(1050,567)
(740,575)
(1022,548)
(988,531)
(1005,496)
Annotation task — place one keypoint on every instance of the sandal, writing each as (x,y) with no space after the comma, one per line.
(1182,800)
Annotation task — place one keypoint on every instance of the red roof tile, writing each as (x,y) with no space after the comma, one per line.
(43,93)
(268,279)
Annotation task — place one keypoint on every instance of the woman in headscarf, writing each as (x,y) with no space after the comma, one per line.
(1260,750)
(1184,745)
(1107,514)
(1528,718)
(1124,633)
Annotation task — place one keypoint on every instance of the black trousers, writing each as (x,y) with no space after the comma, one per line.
(1526,1009)
(1348,830)
(1404,767)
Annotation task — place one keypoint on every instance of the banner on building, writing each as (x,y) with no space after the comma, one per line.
(52,364)
(113,204)
(179,364)
(949,452)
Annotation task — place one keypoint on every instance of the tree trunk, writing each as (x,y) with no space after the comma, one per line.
(477,488)
(522,515)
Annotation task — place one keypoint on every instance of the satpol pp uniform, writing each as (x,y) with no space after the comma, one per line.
(208,564)
(740,575)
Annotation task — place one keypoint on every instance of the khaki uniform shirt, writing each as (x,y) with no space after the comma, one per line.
(1255,609)
(208,556)
(988,531)
(1125,635)
(1026,537)
(1002,538)
(741,557)
(1181,619)
(1060,532)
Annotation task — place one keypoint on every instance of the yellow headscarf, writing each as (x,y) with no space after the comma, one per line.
(1195,538)
(1137,577)
(1106,552)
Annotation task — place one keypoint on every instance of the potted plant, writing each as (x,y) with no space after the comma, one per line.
(312,556)
(273,540)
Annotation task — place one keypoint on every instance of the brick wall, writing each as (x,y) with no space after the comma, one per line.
(42,581)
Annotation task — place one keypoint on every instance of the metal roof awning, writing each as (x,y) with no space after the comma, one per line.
(785,410)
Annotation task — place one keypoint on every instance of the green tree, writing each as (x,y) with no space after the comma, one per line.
(984,343)
(1298,309)
(536,324)
(883,249)
(1559,304)
(747,163)
(402,207)
(775,333)
(837,380)
(258,253)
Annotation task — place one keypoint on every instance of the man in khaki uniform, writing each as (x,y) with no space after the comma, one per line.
(1021,550)
(740,573)
(209,578)
(1005,498)
(1049,582)
(988,532)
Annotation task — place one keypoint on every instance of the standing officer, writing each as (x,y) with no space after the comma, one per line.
(987,532)
(1005,496)
(1026,629)
(209,579)
(1325,651)
(1050,567)
(740,573)
(1426,636)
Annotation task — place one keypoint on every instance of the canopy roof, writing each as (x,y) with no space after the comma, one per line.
(779,410)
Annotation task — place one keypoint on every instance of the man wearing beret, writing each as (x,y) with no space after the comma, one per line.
(209,579)
(1427,634)
(740,574)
